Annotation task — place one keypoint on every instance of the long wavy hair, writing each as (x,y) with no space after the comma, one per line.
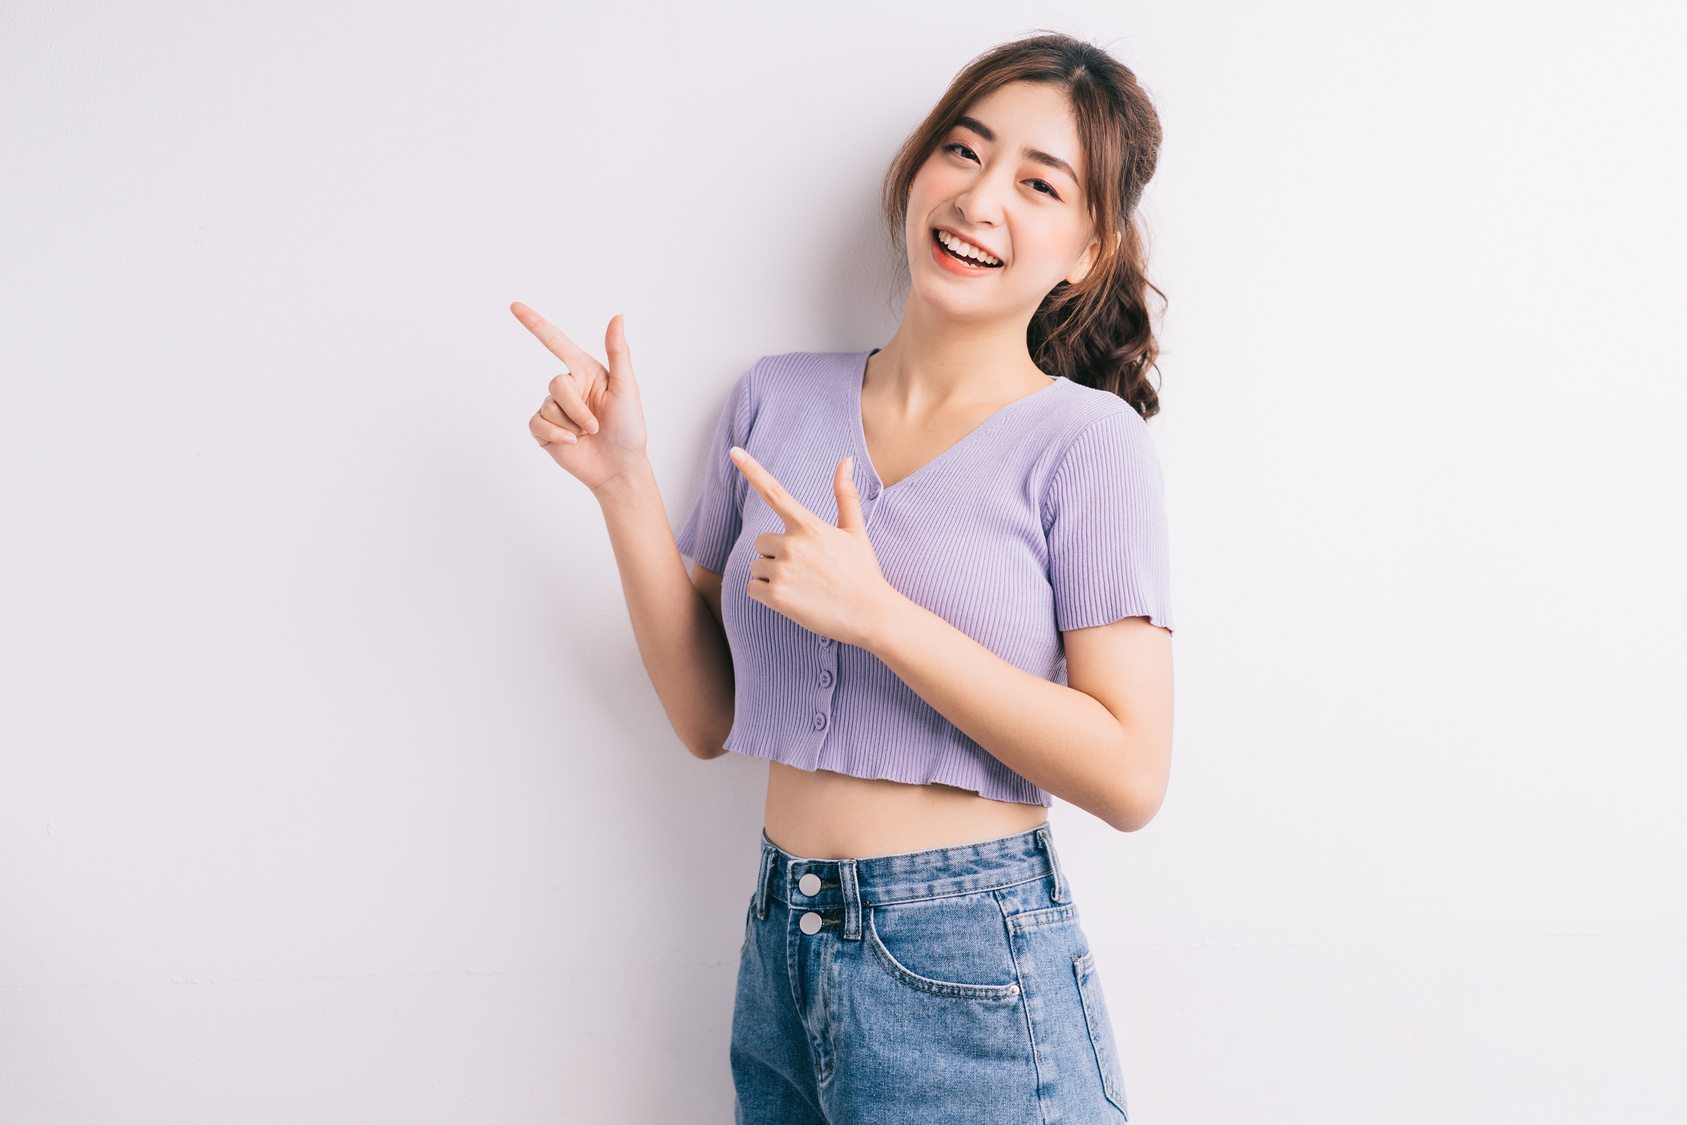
(1099,331)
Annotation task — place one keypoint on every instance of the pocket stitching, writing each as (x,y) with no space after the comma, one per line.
(900,972)
(1083,964)
(1048,916)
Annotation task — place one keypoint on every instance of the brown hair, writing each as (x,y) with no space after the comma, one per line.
(1097,332)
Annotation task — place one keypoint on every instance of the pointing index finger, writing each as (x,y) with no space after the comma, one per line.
(783,503)
(551,336)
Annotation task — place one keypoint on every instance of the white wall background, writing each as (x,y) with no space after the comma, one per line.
(332,789)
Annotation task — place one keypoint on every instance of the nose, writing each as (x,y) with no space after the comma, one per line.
(983,200)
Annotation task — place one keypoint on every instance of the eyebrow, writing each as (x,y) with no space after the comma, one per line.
(1035,155)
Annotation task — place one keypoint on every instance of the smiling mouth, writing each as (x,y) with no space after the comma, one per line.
(965,252)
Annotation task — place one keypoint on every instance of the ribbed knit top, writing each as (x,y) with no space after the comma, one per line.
(1047,517)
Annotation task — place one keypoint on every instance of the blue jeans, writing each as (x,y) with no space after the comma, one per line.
(952,985)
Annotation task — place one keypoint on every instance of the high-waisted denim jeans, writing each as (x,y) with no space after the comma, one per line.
(952,985)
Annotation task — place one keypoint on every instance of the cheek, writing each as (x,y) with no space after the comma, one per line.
(1051,244)
(933,184)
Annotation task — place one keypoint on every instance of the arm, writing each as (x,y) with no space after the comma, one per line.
(592,424)
(1102,743)
(675,621)
(708,584)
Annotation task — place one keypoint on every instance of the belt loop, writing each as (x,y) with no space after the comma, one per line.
(1058,894)
(852,900)
(765,876)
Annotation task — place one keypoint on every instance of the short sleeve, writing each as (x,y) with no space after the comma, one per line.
(1104,514)
(712,529)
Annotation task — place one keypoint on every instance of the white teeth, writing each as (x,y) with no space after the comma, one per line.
(966,249)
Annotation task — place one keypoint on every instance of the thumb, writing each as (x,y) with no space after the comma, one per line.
(849,500)
(615,347)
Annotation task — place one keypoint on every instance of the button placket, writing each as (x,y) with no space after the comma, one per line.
(825,680)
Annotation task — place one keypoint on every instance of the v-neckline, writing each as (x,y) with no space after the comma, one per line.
(878,485)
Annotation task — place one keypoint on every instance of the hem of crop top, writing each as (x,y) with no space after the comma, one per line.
(1032,795)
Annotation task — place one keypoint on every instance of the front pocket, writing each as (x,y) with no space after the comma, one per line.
(1101,1030)
(907,976)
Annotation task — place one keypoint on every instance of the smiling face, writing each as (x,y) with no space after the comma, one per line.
(996,214)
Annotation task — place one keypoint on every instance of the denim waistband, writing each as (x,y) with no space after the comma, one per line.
(883,879)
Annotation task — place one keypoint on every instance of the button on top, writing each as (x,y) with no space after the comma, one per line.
(825,641)
(872,494)
(809,923)
(809,884)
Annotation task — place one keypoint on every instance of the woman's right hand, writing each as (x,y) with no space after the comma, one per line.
(591,422)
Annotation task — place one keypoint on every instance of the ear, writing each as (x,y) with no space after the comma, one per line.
(1086,262)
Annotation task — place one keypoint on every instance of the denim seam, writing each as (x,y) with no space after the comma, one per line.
(1060,893)
(1026,1001)
(1047,917)
(852,900)
(902,973)
(955,894)
(764,881)
(775,896)
(823,1065)
(1083,966)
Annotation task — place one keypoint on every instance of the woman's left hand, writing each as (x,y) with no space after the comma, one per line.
(824,578)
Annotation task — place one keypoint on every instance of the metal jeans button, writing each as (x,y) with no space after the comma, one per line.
(809,884)
(809,923)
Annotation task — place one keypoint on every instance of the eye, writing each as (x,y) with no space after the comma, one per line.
(1044,187)
(961,151)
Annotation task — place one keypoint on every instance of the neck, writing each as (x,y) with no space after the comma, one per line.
(938,359)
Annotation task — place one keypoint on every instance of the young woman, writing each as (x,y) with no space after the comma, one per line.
(930,588)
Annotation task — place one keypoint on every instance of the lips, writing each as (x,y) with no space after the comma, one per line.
(956,264)
(962,250)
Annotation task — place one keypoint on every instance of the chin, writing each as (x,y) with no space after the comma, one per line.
(956,301)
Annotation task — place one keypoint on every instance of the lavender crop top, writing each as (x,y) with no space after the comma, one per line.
(1047,517)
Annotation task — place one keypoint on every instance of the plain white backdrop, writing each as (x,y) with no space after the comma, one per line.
(331,785)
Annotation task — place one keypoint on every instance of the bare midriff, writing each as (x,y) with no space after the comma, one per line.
(818,814)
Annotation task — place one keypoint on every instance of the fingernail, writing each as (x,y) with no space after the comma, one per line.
(735,452)
(591,425)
